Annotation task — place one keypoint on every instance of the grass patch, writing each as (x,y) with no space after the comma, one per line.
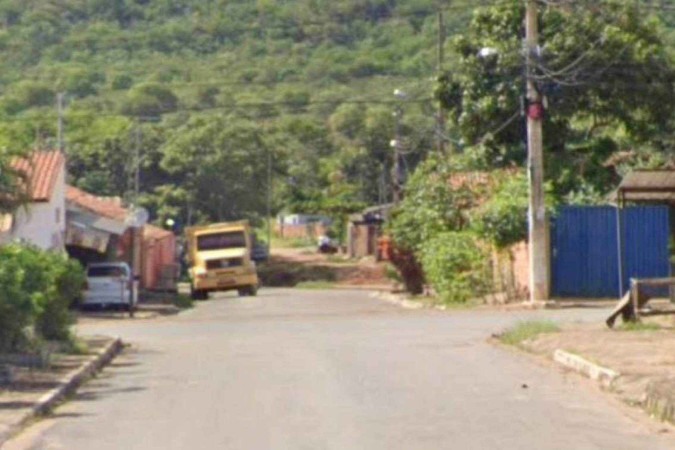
(292,242)
(182,301)
(527,330)
(638,326)
(282,273)
(315,285)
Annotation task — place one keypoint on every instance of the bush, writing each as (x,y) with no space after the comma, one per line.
(16,305)
(66,280)
(455,266)
(37,289)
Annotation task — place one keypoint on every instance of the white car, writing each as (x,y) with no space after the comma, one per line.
(109,284)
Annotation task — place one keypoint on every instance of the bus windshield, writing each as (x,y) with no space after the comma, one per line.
(220,241)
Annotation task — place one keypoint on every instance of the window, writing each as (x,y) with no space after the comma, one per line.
(219,241)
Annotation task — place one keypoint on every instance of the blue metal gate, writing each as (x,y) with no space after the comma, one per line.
(584,249)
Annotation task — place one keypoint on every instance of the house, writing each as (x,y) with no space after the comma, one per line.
(98,230)
(41,221)
(301,226)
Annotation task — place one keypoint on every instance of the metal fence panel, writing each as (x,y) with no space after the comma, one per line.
(584,249)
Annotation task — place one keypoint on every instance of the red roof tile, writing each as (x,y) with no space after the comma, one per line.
(110,207)
(42,169)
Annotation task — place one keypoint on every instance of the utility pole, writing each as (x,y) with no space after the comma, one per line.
(59,108)
(137,163)
(537,226)
(269,201)
(397,144)
(440,132)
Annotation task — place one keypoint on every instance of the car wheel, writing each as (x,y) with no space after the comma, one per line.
(196,294)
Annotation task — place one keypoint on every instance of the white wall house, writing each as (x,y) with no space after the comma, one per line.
(42,221)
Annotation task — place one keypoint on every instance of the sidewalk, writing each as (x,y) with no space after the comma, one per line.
(643,356)
(35,391)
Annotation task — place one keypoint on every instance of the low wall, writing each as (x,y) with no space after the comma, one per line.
(308,231)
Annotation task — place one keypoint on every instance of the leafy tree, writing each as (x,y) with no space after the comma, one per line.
(150,100)
(602,69)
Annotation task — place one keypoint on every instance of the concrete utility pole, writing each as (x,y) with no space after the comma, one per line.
(538,229)
(441,58)
(397,145)
(269,201)
(59,108)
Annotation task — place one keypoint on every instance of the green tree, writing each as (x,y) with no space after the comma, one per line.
(604,72)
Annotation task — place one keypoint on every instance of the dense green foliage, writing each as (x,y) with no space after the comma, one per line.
(224,84)
(38,288)
(606,72)
(456,266)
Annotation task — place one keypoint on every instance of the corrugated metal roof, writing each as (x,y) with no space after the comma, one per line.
(42,169)
(649,181)
(648,186)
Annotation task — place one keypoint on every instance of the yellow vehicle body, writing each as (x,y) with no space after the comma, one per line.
(219,257)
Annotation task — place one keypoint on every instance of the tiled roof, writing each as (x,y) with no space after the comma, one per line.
(42,169)
(110,207)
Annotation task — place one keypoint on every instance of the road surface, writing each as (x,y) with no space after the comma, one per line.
(293,369)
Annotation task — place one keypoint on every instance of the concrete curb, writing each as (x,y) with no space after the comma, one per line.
(398,300)
(602,375)
(67,385)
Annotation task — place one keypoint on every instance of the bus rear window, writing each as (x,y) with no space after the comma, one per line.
(220,241)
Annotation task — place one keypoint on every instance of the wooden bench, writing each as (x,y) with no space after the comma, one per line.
(634,300)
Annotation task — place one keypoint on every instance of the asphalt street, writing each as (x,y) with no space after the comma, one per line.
(294,369)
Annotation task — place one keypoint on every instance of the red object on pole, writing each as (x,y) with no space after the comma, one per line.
(535,111)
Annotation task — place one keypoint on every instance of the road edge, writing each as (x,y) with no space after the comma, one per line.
(66,386)
(603,375)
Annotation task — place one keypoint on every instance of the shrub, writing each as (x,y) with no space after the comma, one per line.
(455,265)
(37,289)
(16,305)
(66,280)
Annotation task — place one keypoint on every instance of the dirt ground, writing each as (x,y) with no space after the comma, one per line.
(292,266)
(644,356)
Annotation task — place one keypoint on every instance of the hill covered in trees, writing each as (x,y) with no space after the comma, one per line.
(208,93)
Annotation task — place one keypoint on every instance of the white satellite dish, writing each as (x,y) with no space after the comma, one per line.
(137,217)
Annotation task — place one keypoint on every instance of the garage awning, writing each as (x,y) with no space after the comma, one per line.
(91,231)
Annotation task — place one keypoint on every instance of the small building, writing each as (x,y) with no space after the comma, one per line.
(41,221)
(98,230)
(159,268)
(301,226)
(365,229)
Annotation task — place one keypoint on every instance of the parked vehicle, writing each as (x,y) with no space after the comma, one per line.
(109,284)
(220,259)
(326,245)
(260,252)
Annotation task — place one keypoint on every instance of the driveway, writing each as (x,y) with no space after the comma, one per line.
(294,369)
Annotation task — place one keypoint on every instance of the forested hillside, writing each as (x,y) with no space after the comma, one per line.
(211,92)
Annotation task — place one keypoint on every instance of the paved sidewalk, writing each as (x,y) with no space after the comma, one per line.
(35,391)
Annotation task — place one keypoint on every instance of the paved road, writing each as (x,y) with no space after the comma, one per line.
(333,370)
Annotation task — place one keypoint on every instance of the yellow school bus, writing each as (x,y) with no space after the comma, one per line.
(219,259)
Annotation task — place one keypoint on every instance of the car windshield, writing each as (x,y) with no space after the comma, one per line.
(220,241)
(106,271)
